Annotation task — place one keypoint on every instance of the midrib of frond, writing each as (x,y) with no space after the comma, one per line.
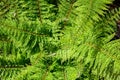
(68,14)
(107,53)
(69,10)
(39,11)
(24,31)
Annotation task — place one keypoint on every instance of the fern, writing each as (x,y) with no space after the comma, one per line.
(70,40)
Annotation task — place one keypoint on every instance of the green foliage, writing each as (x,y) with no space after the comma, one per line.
(61,40)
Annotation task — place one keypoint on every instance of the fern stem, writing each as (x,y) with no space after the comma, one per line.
(68,14)
(39,11)
(104,51)
(25,31)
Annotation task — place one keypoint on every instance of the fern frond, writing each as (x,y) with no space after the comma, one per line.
(75,44)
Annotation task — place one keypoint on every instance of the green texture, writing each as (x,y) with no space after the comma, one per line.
(59,40)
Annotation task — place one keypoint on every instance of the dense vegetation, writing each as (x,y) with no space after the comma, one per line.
(59,40)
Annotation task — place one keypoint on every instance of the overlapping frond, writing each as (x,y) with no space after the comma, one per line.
(75,44)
